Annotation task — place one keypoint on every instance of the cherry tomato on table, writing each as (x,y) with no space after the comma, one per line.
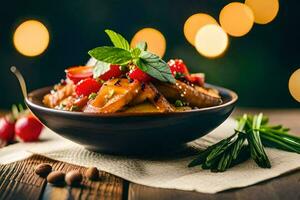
(28,128)
(7,129)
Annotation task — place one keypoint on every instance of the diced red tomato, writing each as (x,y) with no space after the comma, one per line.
(87,86)
(79,73)
(138,74)
(178,68)
(197,79)
(114,72)
(180,71)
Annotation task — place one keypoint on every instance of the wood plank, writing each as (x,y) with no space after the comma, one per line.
(18,181)
(283,187)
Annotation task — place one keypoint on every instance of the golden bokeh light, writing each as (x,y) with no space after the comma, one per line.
(31,38)
(211,40)
(154,38)
(236,19)
(294,85)
(194,23)
(264,10)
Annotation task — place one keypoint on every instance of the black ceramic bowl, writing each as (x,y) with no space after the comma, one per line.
(124,133)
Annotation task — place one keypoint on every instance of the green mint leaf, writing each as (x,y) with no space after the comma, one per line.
(150,57)
(100,68)
(135,53)
(155,67)
(142,46)
(112,55)
(118,40)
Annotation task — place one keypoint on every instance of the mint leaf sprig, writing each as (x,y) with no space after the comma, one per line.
(122,54)
(118,40)
(234,149)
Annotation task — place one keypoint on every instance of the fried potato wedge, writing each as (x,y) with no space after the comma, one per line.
(150,93)
(113,96)
(58,94)
(194,96)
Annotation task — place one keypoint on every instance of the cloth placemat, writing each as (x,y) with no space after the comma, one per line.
(171,173)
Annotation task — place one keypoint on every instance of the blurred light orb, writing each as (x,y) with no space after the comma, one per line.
(194,23)
(264,10)
(294,85)
(211,41)
(236,19)
(31,38)
(155,40)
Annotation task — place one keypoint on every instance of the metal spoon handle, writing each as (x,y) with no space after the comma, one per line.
(21,80)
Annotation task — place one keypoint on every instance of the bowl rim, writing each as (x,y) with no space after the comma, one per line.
(232,94)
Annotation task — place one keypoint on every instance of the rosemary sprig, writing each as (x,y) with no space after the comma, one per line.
(230,156)
(234,149)
(257,151)
(223,154)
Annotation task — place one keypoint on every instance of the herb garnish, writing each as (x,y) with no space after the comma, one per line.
(122,54)
(74,108)
(179,103)
(92,96)
(118,40)
(234,149)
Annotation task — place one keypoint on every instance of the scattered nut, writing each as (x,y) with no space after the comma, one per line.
(56,177)
(73,178)
(43,169)
(92,173)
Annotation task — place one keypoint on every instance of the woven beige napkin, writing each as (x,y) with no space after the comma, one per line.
(170,173)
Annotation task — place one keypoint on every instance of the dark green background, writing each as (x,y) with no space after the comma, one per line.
(257,66)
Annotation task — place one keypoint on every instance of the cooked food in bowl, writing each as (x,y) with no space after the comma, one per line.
(131,80)
(127,100)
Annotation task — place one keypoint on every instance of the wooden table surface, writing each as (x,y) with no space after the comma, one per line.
(18,181)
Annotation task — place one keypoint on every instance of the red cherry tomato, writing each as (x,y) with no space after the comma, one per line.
(87,86)
(79,73)
(137,74)
(114,72)
(197,79)
(178,68)
(7,129)
(28,129)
